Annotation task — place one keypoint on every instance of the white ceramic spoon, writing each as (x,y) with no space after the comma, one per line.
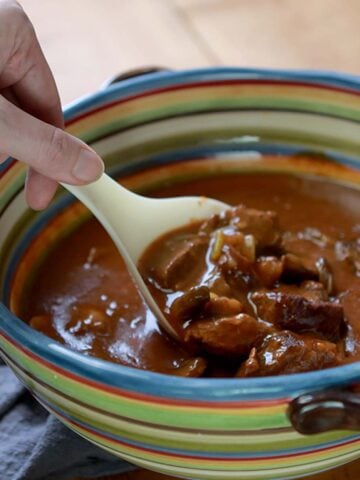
(134,222)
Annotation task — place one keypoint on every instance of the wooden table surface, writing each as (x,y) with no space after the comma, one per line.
(87,41)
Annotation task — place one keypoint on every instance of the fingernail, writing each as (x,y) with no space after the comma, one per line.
(88,167)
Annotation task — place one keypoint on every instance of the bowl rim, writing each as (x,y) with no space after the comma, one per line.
(166,78)
(122,377)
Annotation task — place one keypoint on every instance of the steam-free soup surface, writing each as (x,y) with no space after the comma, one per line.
(83,296)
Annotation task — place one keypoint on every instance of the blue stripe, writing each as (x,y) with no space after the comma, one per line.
(5,164)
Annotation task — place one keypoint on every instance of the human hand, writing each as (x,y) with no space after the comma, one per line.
(31,119)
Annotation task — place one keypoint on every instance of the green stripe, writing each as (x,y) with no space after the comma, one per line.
(11,189)
(210,104)
(187,440)
(159,414)
(272,465)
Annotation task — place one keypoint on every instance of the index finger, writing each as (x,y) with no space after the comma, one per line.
(23,68)
(36,90)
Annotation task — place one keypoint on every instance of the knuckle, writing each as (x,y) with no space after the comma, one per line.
(55,154)
(58,146)
(15,12)
(24,27)
(16,63)
(28,30)
(20,34)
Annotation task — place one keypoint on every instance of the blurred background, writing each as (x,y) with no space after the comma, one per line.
(87,41)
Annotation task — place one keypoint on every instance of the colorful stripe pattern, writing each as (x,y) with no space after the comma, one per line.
(184,124)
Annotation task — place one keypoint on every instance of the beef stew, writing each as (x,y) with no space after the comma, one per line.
(271,286)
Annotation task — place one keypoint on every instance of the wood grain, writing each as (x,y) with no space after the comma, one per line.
(321,34)
(87,41)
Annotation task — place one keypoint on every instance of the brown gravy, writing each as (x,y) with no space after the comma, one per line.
(83,296)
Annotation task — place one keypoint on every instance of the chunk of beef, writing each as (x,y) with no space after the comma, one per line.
(303,261)
(309,289)
(193,367)
(313,291)
(296,269)
(229,336)
(231,261)
(243,244)
(268,270)
(222,306)
(286,352)
(252,367)
(289,268)
(190,303)
(218,285)
(263,225)
(307,251)
(296,313)
(184,257)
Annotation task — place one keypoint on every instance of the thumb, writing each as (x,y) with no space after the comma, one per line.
(47,149)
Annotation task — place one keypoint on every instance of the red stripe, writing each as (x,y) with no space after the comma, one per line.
(209,84)
(198,457)
(146,397)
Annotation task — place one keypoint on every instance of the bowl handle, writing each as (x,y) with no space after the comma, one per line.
(325,411)
(136,72)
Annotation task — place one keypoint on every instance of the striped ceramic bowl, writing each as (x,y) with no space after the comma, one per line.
(191,428)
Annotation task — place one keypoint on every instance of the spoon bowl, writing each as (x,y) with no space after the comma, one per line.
(134,222)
